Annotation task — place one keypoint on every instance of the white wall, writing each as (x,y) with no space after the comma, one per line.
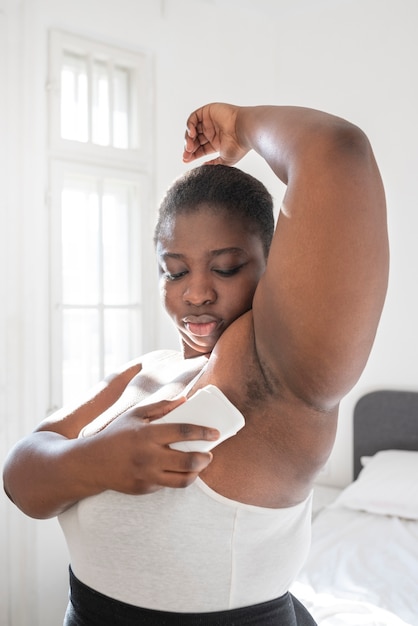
(355,58)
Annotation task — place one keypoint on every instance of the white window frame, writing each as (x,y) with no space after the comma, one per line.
(133,165)
(137,157)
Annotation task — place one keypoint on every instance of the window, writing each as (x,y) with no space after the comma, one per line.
(100,224)
(95,103)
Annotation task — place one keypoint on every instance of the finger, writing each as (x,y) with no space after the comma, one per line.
(198,151)
(198,134)
(159,409)
(187,462)
(192,122)
(200,141)
(190,150)
(189,145)
(185,468)
(172,433)
(155,410)
(178,480)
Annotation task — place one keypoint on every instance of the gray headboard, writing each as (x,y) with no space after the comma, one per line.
(384,420)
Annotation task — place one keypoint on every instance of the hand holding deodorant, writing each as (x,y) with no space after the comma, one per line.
(207,407)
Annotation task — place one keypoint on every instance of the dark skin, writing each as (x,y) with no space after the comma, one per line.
(210,265)
(285,340)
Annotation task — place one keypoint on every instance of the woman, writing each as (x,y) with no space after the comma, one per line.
(284,339)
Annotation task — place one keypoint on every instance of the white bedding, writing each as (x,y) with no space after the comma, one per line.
(362,569)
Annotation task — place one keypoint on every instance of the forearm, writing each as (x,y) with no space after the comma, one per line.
(46,473)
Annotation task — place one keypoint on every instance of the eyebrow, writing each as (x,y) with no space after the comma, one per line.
(213,253)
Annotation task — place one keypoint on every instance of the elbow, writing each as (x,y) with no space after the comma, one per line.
(34,509)
(19,488)
(348,140)
(23,502)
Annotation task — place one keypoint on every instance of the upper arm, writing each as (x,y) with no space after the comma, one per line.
(317,306)
(69,420)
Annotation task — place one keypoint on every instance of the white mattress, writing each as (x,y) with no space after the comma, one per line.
(362,570)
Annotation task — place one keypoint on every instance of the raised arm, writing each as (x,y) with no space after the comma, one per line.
(317,307)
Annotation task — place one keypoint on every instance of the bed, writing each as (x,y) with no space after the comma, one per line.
(363,565)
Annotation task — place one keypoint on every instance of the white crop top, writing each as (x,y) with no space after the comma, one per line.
(186,550)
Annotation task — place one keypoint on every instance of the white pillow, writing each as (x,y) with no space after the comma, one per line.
(387,485)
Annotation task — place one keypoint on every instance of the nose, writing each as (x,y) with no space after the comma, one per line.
(199,290)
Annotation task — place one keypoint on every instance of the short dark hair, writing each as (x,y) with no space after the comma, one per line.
(222,187)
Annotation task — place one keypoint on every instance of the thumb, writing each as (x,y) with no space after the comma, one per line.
(159,409)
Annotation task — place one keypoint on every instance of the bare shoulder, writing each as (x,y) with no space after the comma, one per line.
(145,361)
(86,406)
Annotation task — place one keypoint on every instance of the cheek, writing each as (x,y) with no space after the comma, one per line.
(241,296)
(169,296)
(164,293)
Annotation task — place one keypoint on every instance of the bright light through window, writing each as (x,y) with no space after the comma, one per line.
(80,246)
(100,136)
(101,104)
(100,278)
(95,102)
(74,98)
(121,108)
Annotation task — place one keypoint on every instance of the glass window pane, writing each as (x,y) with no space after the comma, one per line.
(101,104)
(74,98)
(121,77)
(80,245)
(119,286)
(80,351)
(121,337)
(96,277)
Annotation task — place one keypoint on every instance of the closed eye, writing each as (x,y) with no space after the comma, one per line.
(175,275)
(229,272)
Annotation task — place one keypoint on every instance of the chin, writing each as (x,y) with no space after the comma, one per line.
(192,349)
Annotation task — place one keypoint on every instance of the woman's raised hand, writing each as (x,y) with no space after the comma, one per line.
(214,128)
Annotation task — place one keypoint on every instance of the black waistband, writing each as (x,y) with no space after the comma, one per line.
(88,607)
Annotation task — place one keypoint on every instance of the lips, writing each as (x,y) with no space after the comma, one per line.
(201,325)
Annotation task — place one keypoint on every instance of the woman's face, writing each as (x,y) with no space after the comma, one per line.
(210,265)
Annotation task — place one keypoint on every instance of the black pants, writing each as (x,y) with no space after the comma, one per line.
(90,608)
